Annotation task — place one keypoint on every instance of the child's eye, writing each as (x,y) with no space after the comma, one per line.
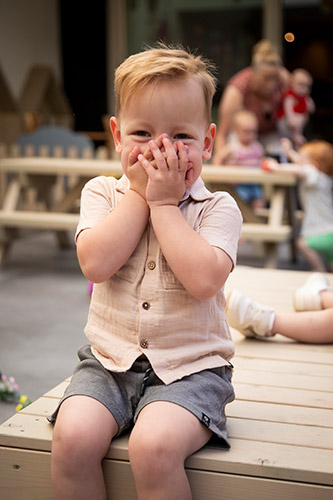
(182,137)
(141,133)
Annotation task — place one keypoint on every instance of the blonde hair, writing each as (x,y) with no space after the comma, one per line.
(239,117)
(163,63)
(321,153)
(264,52)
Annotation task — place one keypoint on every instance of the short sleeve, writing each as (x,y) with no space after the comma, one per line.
(97,201)
(221,224)
(312,175)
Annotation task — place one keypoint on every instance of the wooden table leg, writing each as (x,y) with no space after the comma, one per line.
(291,200)
(10,202)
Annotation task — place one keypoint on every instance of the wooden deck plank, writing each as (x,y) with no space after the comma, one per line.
(281,433)
(42,407)
(270,287)
(58,390)
(282,413)
(270,394)
(284,350)
(290,380)
(280,365)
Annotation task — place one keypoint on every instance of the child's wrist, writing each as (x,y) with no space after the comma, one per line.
(136,193)
(153,205)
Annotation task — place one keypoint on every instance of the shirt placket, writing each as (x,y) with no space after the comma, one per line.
(147,300)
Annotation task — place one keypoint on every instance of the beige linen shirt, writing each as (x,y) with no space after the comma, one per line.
(143,308)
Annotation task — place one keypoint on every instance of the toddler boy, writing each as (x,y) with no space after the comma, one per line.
(158,247)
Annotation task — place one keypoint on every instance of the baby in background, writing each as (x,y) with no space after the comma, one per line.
(297,106)
(245,150)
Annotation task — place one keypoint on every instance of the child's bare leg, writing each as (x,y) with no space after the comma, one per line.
(81,438)
(314,327)
(311,256)
(164,435)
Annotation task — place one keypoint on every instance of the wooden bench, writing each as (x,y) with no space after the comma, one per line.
(60,220)
(266,233)
(270,230)
(280,425)
(39,220)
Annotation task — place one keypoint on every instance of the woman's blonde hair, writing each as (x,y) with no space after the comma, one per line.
(264,52)
(321,153)
(160,63)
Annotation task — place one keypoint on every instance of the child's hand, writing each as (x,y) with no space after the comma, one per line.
(166,172)
(136,173)
(269,164)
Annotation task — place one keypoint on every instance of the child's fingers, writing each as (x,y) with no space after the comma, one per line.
(171,153)
(158,156)
(182,155)
(133,156)
(146,164)
(159,141)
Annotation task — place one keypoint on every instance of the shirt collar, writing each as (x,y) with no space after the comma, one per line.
(198,191)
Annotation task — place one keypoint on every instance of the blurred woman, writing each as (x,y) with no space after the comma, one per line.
(258,88)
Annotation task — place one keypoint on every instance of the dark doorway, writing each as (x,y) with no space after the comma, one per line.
(312,50)
(83,46)
(225,36)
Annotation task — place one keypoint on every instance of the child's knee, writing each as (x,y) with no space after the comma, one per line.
(67,443)
(74,445)
(153,452)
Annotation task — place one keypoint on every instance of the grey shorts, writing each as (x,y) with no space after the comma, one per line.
(125,394)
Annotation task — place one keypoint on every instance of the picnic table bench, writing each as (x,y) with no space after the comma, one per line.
(280,425)
(276,226)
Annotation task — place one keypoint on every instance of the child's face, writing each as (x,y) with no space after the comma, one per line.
(301,84)
(247,131)
(175,108)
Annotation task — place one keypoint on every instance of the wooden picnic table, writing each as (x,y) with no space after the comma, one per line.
(277,226)
(280,424)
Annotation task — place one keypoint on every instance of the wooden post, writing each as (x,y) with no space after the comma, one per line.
(272,28)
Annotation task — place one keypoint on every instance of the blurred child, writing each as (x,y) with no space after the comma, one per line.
(312,323)
(296,107)
(313,165)
(244,150)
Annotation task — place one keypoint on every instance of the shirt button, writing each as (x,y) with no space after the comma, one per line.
(151,265)
(144,344)
(146,306)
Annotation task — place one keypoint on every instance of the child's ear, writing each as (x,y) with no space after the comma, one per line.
(115,129)
(209,142)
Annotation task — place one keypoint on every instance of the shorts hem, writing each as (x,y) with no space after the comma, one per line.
(218,434)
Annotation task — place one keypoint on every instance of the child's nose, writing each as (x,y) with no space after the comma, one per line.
(159,139)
